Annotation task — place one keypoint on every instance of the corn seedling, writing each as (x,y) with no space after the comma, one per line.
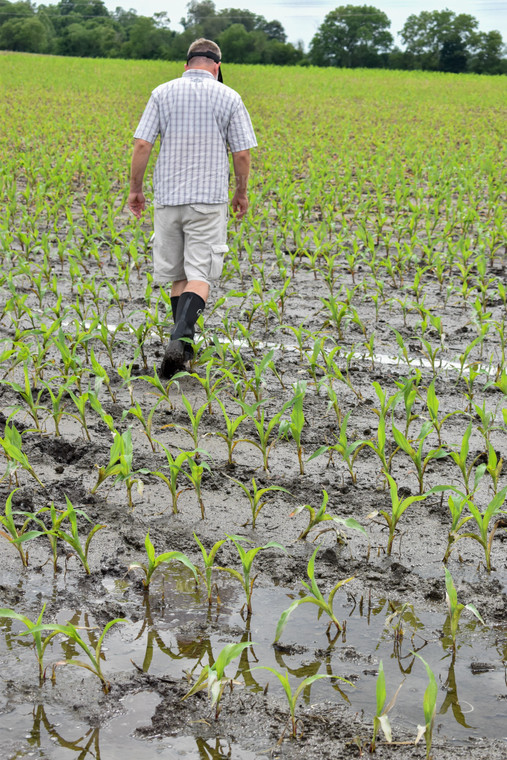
(72,633)
(416,455)
(231,427)
(57,400)
(494,466)
(213,678)
(195,472)
(263,426)
(320,515)
(433,404)
(455,608)
(381,719)
(314,597)
(146,422)
(379,447)
(17,535)
(398,507)
(348,451)
(254,497)
(154,561)
(460,458)
(120,465)
(294,426)
(195,419)
(175,467)
(429,707)
(71,538)
(35,630)
(487,524)
(246,559)
(292,697)
(31,399)
(11,445)
(208,559)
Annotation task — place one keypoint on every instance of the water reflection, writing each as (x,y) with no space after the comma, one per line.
(451,697)
(86,745)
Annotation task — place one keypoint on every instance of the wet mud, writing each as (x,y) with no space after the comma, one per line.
(393,607)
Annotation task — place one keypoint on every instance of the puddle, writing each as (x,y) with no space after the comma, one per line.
(472,698)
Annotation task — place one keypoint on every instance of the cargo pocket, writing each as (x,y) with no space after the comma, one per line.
(217,260)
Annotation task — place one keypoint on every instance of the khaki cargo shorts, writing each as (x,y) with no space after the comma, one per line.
(189,242)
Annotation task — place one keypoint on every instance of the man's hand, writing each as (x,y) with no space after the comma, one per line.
(137,204)
(239,204)
(140,156)
(241,162)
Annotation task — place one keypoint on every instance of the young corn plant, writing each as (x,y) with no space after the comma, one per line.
(246,559)
(263,426)
(416,455)
(34,628)
(16,458)
(17,536)
(213,677)
(429,707)
(120,465)
(155,561)
(254,497)
(32,405)
(294,426)
(381,719)
(231,426)
(72,633)
(457,502)
(58,400)
(195,472)
(146,422)
(455,608)
(314,597)
(209,560)
(175,467)
(56,532)
(494,466)
(460,458)
(320,515)
(398,507)
(292,697)
(195,419)
(347,451)
(433,404)
(487,523)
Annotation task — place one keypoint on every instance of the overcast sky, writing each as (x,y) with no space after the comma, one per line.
(301,19)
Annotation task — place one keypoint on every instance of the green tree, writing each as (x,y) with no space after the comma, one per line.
(24,34)
(440,40)
(490,56)
(238,45)
(352,36)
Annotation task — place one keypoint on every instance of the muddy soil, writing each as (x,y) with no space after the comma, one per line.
(393,606)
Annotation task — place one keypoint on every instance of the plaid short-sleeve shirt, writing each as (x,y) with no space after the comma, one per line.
(197,118)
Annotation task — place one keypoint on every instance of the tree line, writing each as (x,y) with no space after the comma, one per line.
(350,36)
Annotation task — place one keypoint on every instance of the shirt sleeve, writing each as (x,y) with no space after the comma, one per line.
(240,134)
(149,127)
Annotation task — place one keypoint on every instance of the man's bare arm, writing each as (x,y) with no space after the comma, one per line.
(140,158)
(241,162)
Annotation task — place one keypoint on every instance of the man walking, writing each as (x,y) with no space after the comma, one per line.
(197,118)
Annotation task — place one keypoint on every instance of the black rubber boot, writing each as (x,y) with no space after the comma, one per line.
(178,351)
(174,306)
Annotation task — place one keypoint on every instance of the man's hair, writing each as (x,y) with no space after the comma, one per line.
(202,46)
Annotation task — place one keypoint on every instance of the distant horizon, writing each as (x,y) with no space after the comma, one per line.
(301,19)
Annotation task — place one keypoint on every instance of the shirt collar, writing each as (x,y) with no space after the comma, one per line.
(198,72)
